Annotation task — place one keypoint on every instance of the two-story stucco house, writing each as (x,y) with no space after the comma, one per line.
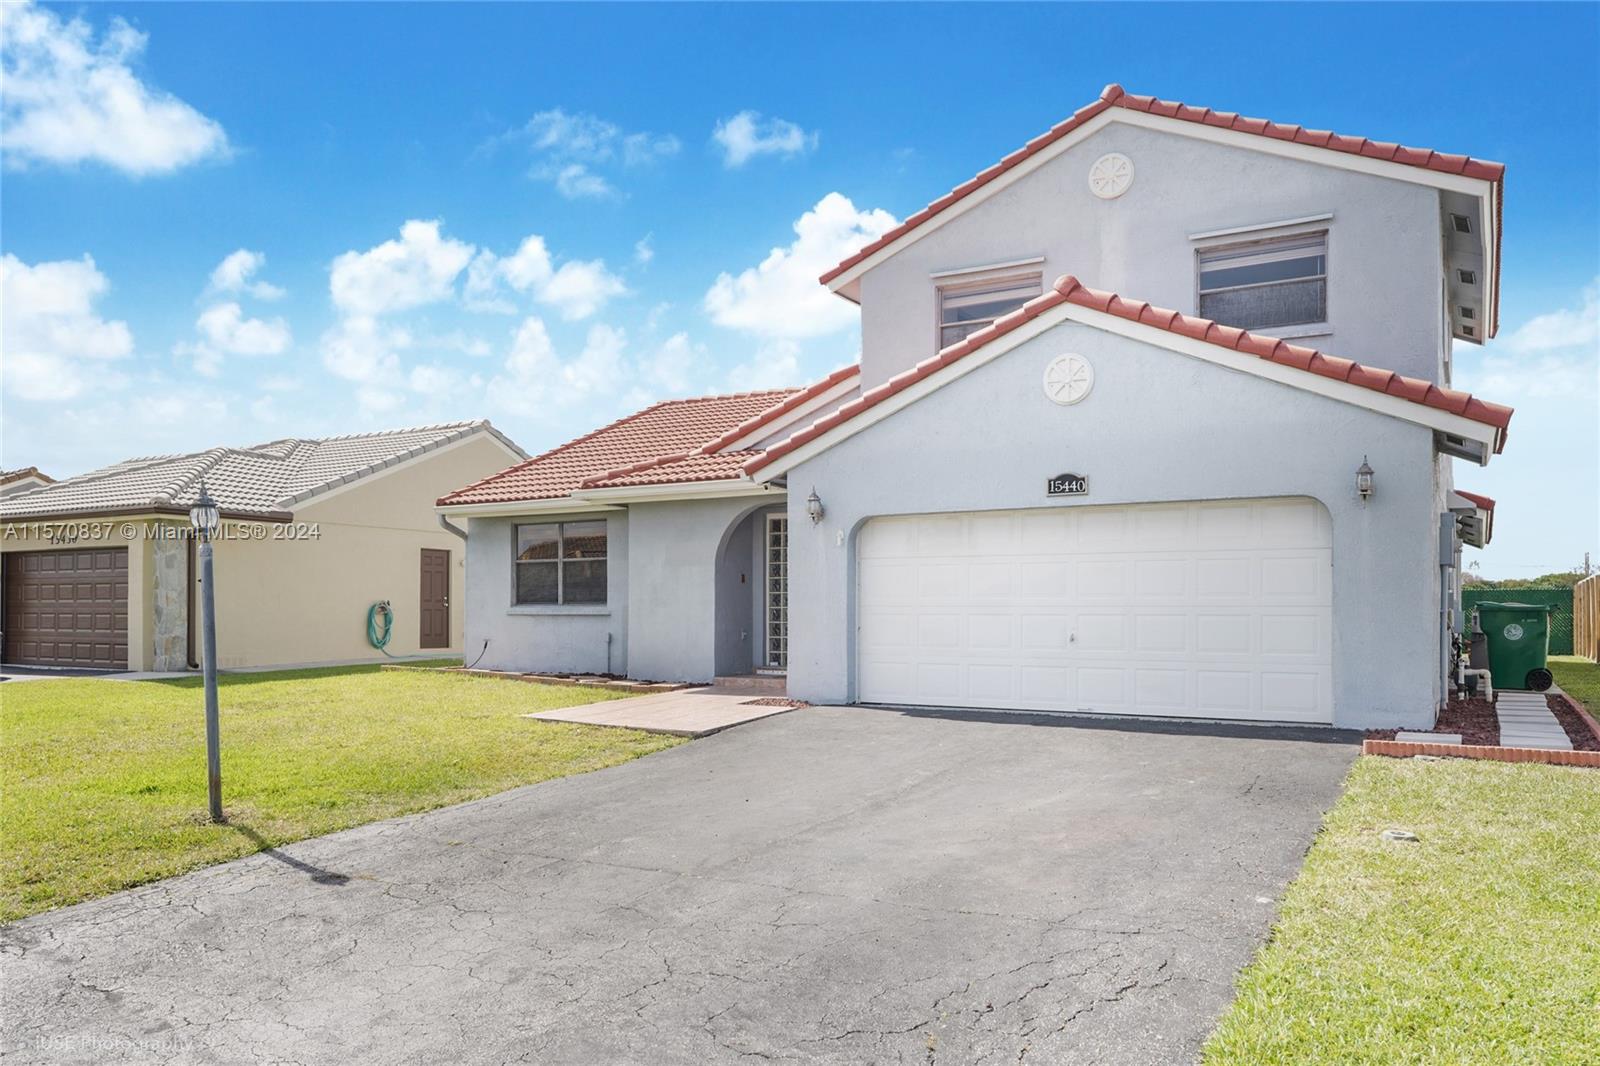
(1152,417)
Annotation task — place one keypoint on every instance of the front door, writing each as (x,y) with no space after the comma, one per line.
(435,613)
(777,620)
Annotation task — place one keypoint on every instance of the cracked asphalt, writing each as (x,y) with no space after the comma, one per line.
(827,886)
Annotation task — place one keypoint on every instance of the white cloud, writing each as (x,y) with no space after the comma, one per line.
(746,135)
(529,267)
(224,330)
(776,364)
(1556,330)
(438,379)
(71,99)
(50,332)
(236,273)
(576,181)
(577,289)
(672,367)
(571,150)
(373,400)
(780,296)
(535,379)
(363,350)
(419,268)
(644,249)
(1552,355)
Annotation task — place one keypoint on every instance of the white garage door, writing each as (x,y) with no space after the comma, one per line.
(1208,610)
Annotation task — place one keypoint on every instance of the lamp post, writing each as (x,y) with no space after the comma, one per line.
(204,516)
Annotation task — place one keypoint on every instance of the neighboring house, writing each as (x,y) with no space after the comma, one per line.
(1039,492)
(99,570)
(29,477)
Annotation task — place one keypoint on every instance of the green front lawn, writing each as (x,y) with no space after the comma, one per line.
(103,785)
(1578,678)
(1479,944)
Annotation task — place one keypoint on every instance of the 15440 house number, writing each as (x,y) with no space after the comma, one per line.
(1067,485)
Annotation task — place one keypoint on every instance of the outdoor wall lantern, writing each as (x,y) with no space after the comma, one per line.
(1364,480)
(814,506)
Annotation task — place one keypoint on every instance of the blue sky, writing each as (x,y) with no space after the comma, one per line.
(316,219)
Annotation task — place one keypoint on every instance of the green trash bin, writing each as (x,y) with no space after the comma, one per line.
(1519,644)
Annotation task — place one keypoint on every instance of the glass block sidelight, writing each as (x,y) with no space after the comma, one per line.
(777,587)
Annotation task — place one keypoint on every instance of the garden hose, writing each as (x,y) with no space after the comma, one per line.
(380,625)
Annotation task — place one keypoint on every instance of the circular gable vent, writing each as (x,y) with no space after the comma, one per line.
(1111,175)
(1068,379)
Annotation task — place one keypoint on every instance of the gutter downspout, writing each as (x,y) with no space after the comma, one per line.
(457,530)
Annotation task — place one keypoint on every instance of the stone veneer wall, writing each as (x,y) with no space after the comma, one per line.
(170,561)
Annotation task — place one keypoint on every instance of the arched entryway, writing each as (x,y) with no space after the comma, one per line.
(752,593)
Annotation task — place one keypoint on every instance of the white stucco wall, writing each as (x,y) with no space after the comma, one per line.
(1158,426)
(683,594)
(1384,245)
(673,587)
(585,638)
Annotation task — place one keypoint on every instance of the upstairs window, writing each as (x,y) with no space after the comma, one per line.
(561,562)
(1266,284)
(967,308)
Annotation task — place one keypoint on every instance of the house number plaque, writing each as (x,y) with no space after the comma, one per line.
(1067,485)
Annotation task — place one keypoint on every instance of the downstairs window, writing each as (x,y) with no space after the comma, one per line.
(560,562)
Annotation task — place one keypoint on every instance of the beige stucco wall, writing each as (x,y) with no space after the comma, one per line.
(291,601)
(304,600)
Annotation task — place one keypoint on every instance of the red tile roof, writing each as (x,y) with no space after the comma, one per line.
(675,470)
(667,429)
(1069,290)
(1482,501)
(1114,96)
(799,399)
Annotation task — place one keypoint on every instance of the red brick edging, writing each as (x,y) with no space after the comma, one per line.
(1402,749)
(1582,712)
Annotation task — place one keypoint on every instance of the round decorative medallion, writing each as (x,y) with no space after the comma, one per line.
(1068,379)
(1111,175)
(1513,632)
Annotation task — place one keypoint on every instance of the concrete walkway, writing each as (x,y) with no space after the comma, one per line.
(688,712)
(1526,722)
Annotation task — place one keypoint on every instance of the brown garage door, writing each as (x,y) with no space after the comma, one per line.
(67,608)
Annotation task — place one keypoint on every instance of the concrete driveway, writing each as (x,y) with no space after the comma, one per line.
(831,885)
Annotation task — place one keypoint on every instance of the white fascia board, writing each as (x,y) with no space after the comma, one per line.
(1333,388)
(1488,219)
(563,505)
(1380,402)
(828,399)
(682,490)
(1217,135)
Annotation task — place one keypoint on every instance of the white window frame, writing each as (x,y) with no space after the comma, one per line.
(970,285)
(1290,244)
(560,562)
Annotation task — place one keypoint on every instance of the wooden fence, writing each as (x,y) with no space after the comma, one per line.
(1586,618)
